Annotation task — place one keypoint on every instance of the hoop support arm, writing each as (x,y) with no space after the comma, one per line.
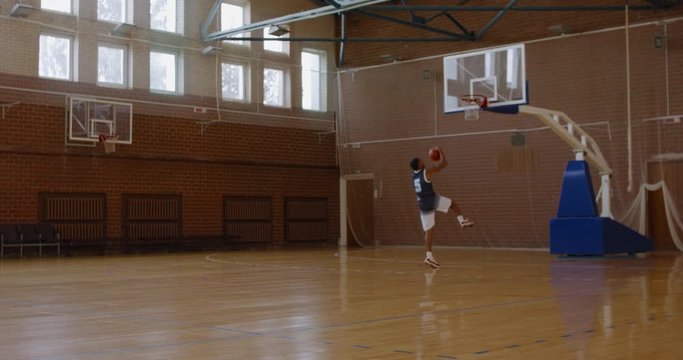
(583,144)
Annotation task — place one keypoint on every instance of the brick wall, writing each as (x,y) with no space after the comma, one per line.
(168,156)
(583,76)
(256,151)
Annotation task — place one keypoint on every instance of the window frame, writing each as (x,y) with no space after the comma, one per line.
(179,19)
(246,19)
(322,79)
(127,7)
(72,8)
(71,68)
(126,65)
(246,88)
(286,86)
(178,73)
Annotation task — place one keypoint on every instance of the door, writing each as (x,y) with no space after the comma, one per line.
(658,228)
(360,223)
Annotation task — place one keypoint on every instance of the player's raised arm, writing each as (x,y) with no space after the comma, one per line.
(439,163)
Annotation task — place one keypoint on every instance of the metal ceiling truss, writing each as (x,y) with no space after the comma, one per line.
(335,7)
(371,9)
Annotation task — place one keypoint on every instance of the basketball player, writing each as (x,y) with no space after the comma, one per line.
(429,201)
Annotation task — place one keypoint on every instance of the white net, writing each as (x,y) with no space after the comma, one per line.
(637,218)
(472,106)
(109,143)
(472,112)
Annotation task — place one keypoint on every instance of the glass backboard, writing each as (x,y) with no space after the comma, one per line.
(499,74)
(91,118)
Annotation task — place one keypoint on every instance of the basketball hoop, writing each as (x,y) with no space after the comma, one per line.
(109,142)
(475,104)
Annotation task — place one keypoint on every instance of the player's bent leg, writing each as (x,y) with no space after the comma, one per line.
(455,208)
(462,220)
(466,223)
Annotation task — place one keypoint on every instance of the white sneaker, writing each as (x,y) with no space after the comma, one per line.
(465,223)
(432,263)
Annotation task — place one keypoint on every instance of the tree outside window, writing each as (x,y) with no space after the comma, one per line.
(163,71)
(55,57)
(163,15)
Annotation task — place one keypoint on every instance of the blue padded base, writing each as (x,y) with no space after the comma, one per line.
(594,236)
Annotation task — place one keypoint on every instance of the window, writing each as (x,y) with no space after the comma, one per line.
(112,65)
(163,15)
(233,16)
(55,57)
(274,87)
(313,82)
(111,10)
(274,45)
(57,5)
(233,78)
(163,71)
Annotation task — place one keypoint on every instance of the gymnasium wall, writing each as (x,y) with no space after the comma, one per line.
(254,151)
(511,192)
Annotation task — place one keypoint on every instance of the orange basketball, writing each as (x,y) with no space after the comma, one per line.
(435,154)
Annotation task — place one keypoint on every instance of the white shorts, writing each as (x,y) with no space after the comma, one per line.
(442,204)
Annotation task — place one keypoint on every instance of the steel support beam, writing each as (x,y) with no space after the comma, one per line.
(501,8)
(495,19)
(415,25)
(303,15)
(458,24)
(204,29)
(343,38)
(347,40)
(333,3)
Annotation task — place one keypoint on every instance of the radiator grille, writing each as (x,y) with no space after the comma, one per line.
(80,218)
(248,219)
(306,219)
(151,219)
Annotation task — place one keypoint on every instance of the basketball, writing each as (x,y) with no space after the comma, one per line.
(435,154)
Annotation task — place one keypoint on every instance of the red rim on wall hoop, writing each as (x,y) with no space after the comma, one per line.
(475,104)
(109,142)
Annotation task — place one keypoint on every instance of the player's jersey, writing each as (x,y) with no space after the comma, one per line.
(426,197)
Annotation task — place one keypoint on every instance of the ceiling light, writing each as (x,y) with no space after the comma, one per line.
(560,29)
(278,30)
(390,58)
(123,29)
(210,50)
(21,10)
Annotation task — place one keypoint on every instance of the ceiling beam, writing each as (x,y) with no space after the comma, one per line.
(339,39)
(415,25)
(495,19)
(303,15)
(334,3)
(501,8)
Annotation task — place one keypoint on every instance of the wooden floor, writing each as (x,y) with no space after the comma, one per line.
(360,304)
